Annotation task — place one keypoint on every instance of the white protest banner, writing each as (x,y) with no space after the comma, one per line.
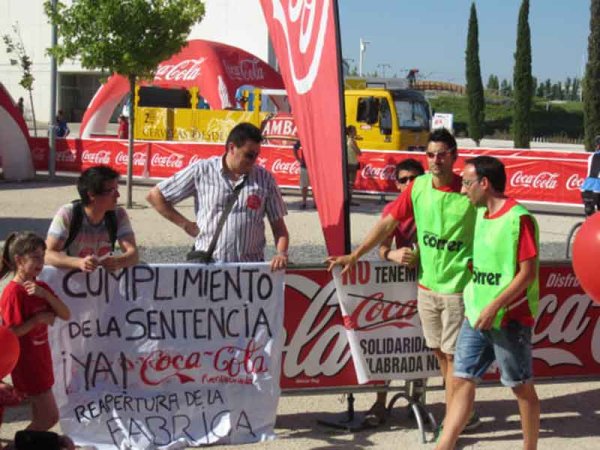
(168,356)
(379,305)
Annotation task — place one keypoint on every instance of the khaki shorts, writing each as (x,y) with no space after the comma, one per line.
(441,318)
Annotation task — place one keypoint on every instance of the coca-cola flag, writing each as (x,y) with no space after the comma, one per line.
(305,38)
(168,356)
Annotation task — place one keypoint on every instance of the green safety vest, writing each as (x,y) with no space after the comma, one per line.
(445,223)
(495,251)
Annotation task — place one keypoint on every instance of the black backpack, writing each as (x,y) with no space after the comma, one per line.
(110,221)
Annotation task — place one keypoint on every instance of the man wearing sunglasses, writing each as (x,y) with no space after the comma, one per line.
(501,302)
(445,220)
(83,233)
(212,182)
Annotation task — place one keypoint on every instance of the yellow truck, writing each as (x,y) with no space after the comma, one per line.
(386,116)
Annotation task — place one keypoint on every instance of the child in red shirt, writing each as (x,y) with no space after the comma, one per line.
(28,306)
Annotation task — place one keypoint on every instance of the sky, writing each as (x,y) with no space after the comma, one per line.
(431,35)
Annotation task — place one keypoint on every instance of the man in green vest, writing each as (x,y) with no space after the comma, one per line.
(445,222)
(501,302)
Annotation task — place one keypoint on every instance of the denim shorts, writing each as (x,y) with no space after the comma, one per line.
(509,346)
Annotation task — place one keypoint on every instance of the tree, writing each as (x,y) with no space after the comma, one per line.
(475,96)
(505,88)
(541,91)
(493,84)
(129,38)
(591,81)
(575,89)
(522,81)
(15,45)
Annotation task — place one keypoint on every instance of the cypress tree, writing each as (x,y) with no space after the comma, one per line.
(522,81)
(591,82)
(475,95)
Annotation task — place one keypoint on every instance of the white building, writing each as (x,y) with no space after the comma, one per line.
(235,22)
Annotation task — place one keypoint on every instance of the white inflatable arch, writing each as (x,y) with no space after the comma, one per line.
(15,151)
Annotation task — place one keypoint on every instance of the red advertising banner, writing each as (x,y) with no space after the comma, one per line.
(305,40)
(566,335)
(532,175)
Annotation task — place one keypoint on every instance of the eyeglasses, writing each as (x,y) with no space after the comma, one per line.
(251,155)
(469,183)
(109,191)
(404,180)
(442,154)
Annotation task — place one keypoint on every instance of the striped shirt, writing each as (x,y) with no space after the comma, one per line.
(242,238)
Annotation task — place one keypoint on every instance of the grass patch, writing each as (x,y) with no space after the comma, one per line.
(558,122)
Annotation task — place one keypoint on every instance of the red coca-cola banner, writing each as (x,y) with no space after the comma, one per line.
(533,175)
(566,335)
(305,40)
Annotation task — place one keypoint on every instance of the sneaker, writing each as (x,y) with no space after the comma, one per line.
(473,423)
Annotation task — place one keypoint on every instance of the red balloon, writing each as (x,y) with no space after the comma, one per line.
(586,256)
(9,353)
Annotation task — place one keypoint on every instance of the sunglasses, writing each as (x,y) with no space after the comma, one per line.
(251,155)
(442,154)
(404,180)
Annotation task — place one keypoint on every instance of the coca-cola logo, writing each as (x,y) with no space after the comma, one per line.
(98,157)
(66,156)
(372,314)
(174,160)
(385,173)
(139,159)
(565,322)
(186,70)
(542,180)
(318,346)
(245,70)
(159,366)
(304,28)
(286,167)
(574,182)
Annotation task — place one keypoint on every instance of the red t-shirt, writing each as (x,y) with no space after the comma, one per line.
(33,373)
(527,249)
(405,232)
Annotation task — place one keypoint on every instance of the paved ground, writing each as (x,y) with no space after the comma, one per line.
(570,410)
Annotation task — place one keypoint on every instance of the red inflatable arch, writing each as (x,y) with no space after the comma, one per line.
(14,140)
(218,70)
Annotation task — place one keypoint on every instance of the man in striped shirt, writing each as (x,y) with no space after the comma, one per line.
(212,181)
